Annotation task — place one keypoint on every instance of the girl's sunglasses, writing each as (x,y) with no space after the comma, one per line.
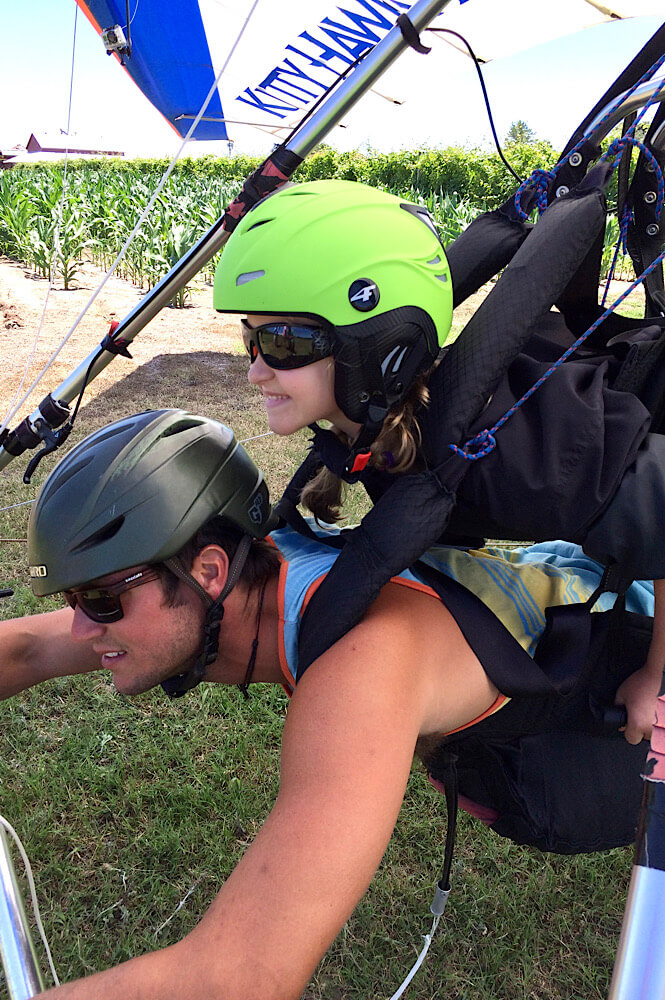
(102,604)
(286,345)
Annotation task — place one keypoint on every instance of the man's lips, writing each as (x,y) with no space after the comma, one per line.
(109,656)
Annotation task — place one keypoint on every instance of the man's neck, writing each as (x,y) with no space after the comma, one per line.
(238,632)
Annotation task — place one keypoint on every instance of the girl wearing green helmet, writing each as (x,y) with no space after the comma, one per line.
(348,300)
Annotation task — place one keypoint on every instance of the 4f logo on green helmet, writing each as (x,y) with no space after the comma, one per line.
(364,294)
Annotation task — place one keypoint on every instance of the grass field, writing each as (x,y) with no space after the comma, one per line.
(134,810)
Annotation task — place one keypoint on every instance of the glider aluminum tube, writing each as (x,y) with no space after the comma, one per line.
(639,973)
(138,318)
(350,90)
(17,952)
(599,128)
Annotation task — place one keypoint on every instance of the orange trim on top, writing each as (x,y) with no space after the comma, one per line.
(499,702)
(88,13)
(413,584)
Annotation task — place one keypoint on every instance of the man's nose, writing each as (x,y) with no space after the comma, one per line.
(84,628)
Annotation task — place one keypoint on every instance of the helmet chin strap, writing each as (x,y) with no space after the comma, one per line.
(347,462)
(180,684)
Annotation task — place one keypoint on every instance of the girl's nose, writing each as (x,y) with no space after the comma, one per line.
(259,371)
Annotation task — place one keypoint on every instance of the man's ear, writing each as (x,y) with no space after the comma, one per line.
(211,569)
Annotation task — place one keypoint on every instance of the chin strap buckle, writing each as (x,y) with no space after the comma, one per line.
(357,462)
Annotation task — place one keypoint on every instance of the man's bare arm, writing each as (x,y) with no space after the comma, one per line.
(37,647)
(347,750)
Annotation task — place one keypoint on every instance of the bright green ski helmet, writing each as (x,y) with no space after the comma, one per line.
(135,492)
(368,264)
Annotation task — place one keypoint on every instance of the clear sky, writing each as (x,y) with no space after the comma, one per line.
(550,87)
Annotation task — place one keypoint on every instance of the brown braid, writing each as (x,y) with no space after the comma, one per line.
(396,449)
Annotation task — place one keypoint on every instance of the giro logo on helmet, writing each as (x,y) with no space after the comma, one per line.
(255,512)
(38,571)
(364,294)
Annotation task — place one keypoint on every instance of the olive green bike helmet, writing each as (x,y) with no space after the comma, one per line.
(369,265)
(135,492)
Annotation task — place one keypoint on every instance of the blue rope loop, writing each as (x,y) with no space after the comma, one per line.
(539,181)
(476,447)
(544,177)
(616,149)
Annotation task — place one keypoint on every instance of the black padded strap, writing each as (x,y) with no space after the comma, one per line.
(534,279)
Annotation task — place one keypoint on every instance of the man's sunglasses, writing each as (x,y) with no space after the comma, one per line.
(103,604)
(286,345)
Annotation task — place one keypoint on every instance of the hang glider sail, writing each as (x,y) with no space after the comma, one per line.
(292,51)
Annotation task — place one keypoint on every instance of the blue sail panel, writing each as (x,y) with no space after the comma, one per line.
(169,61)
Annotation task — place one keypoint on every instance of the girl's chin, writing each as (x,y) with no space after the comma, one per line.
(283,427)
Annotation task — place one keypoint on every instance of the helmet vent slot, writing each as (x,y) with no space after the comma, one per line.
(103,535)
(64,477)
(261,222)
(182,425)
(247,276)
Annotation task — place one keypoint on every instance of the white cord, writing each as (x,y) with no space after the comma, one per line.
(256,437)
(13,506)
(427,938)
(33,894)
(141,220)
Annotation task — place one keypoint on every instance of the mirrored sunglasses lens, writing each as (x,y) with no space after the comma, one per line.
(287,346)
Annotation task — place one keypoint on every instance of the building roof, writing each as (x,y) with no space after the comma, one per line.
(58,142)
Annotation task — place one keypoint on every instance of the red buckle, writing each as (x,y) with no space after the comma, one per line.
(360,461)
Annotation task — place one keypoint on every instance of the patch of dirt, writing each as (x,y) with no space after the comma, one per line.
(200,343)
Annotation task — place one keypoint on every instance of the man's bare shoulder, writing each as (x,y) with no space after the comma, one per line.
(409,647)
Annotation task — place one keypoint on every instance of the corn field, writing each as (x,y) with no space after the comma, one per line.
(54,220)
(55,235)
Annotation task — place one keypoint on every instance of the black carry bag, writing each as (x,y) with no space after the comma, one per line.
(553,771)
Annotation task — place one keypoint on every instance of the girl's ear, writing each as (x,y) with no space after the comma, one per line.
(211,569)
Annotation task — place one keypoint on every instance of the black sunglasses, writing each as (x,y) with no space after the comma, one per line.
(286,345)
(103,604)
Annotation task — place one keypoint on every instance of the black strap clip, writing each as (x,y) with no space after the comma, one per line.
(118,346)
(52,440)
(410,35)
